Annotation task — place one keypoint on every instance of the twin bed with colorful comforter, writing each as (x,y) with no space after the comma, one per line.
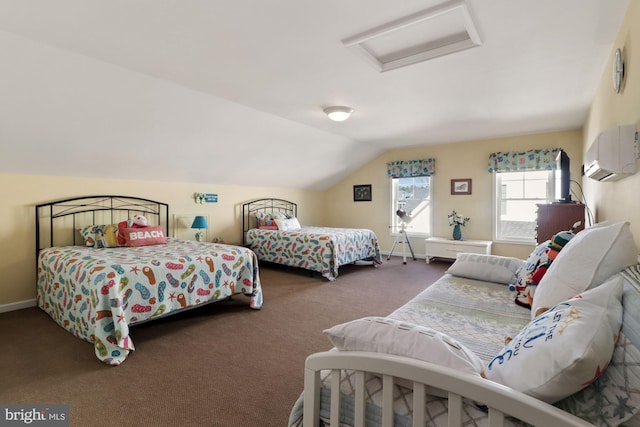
(98,293)
(271,230)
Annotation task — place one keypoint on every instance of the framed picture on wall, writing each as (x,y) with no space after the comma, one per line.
(460,186)
(362,193)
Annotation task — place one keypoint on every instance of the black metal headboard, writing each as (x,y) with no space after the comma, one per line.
(250,209)
(56,222)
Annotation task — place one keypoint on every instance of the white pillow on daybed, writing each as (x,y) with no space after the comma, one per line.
(382,335)
(490,268)
(587,260)
(564,349)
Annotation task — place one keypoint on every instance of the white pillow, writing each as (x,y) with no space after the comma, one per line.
(290,224)
(564,349)
(490,268)
(382,335)
(587,260)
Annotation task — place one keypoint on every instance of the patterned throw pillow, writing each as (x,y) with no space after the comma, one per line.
(614,398)
(106,236)
(524,273)
(100,236)
(268,219)
(564,349)
(557,242)
(89,235)
(536,267)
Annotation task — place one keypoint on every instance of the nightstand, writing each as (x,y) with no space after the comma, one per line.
(440,247)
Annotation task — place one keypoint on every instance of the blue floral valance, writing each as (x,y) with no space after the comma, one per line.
(531,160)
(410,168)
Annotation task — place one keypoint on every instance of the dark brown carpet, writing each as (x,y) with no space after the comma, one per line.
(220,365)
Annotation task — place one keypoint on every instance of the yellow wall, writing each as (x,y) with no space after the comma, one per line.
(335,207)
(617,201)
(610,201)
(20,194)
(452,161)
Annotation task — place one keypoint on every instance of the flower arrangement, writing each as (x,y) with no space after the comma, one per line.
(457,219)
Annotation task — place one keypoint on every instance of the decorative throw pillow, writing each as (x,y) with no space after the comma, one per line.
(382,335)
(526,270)
(490,268)
(106,236)
(566,348)
(269,218)
(137,221)
(587,260)
(290,224)
(524,298)
(614,398)
(146,236)
(89,235)
(268,227)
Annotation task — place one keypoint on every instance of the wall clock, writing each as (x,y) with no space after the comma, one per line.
(618,70)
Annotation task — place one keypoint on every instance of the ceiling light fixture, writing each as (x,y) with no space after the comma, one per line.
(338,113)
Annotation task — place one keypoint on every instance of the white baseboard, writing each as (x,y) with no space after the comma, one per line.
(4,308)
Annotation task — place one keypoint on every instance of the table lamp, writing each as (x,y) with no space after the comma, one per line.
(200,222)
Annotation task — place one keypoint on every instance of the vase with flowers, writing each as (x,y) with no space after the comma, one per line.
(456,220)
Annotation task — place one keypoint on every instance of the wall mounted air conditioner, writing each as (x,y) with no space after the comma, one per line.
(612,156)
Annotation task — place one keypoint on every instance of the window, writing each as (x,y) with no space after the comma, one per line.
(516,197)
(412,195)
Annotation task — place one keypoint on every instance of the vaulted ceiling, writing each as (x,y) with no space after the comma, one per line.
(232,92)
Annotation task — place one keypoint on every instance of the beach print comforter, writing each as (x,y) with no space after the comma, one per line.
(96,294)
(320,249)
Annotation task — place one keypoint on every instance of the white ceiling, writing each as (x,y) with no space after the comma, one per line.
(231,92)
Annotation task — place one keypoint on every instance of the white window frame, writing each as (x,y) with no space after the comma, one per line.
(426,204)
(497,235)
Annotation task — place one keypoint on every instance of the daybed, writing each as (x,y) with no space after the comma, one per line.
(271,229)
(442,358)
(96,287)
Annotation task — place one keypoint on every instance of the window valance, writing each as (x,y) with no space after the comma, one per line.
(531,160)
(411,168)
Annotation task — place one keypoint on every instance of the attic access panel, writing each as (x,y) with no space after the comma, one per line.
(424,35)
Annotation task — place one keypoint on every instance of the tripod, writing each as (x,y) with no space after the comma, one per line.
(402,238)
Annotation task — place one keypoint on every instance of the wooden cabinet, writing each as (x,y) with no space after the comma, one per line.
(439,247)
(555,217)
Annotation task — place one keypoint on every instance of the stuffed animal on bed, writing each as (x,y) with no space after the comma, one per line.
(136,221)
(525,288)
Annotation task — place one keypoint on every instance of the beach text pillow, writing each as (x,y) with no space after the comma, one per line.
(153,235)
